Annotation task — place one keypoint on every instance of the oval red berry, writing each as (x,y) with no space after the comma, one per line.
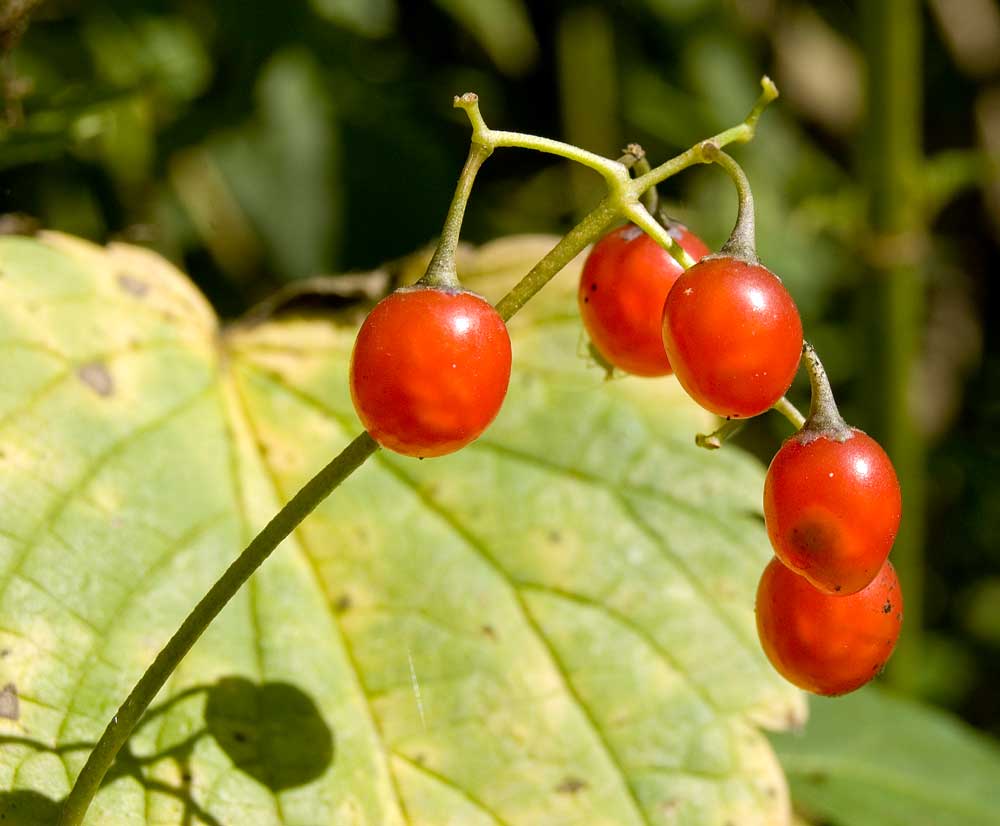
(430,370)
(832,509)
(822,643)
(623,285)
(733,336)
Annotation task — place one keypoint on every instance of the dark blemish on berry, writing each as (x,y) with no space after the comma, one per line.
(489,631)
(343,604)
(571,785)
(10,706)
(593,288)
(837,587)
(887,608)
(96,376)
(586,299)
(239,736)
(899,616)
(813,537)
(132,285)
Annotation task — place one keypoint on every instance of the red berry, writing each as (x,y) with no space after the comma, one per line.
(430,370)
(832,509)
(733,336)
(624,283)
(823,643)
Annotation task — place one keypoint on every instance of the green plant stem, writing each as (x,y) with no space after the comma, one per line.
(623,193)
(790,412)
(571,245)
(441,270)
(742,133)
(650,199)
(742,242)
(715,439)
(892,303)
(824,417)
(284,522)
(639,215)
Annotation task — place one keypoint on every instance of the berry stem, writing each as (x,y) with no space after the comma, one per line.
(824,417)
(284,522)
(790,412)
(441,271)
(650,199)
(639,216)
(742,243)
(714,440)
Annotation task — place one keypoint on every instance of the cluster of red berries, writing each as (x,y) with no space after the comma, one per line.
(828,606)
(431,366)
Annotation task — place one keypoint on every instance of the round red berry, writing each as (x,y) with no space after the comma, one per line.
(832,508)
(733,336)
(430,370)
(624,283)
(822,643)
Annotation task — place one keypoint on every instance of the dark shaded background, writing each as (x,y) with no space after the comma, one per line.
(258,143)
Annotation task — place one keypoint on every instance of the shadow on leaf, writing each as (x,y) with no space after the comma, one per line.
(272,732)
(25,808)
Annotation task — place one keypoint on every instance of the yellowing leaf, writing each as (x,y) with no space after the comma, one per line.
(553,626)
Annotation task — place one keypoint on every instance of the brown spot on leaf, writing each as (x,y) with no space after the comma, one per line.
(571,785)
(10,706)
(489,631)
(132,285)
(555,536)
(343,603)
(96,376)
(4,652)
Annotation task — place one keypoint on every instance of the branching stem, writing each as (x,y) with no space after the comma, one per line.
(622,201)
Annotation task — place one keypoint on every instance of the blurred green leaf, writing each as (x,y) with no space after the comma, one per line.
(502,28)
(873,759)
(162,53)
(371,18)
(981,610)
(283,168)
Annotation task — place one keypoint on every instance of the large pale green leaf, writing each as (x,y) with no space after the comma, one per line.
(872,759)
(552,627)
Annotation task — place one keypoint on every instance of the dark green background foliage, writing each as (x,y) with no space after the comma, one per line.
(260,143)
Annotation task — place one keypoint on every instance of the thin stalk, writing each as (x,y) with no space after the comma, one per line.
(892,304)
(790,412)
(742,242)
(639,216)
(571,245)
(286,520)
(441,270)
(715,439)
